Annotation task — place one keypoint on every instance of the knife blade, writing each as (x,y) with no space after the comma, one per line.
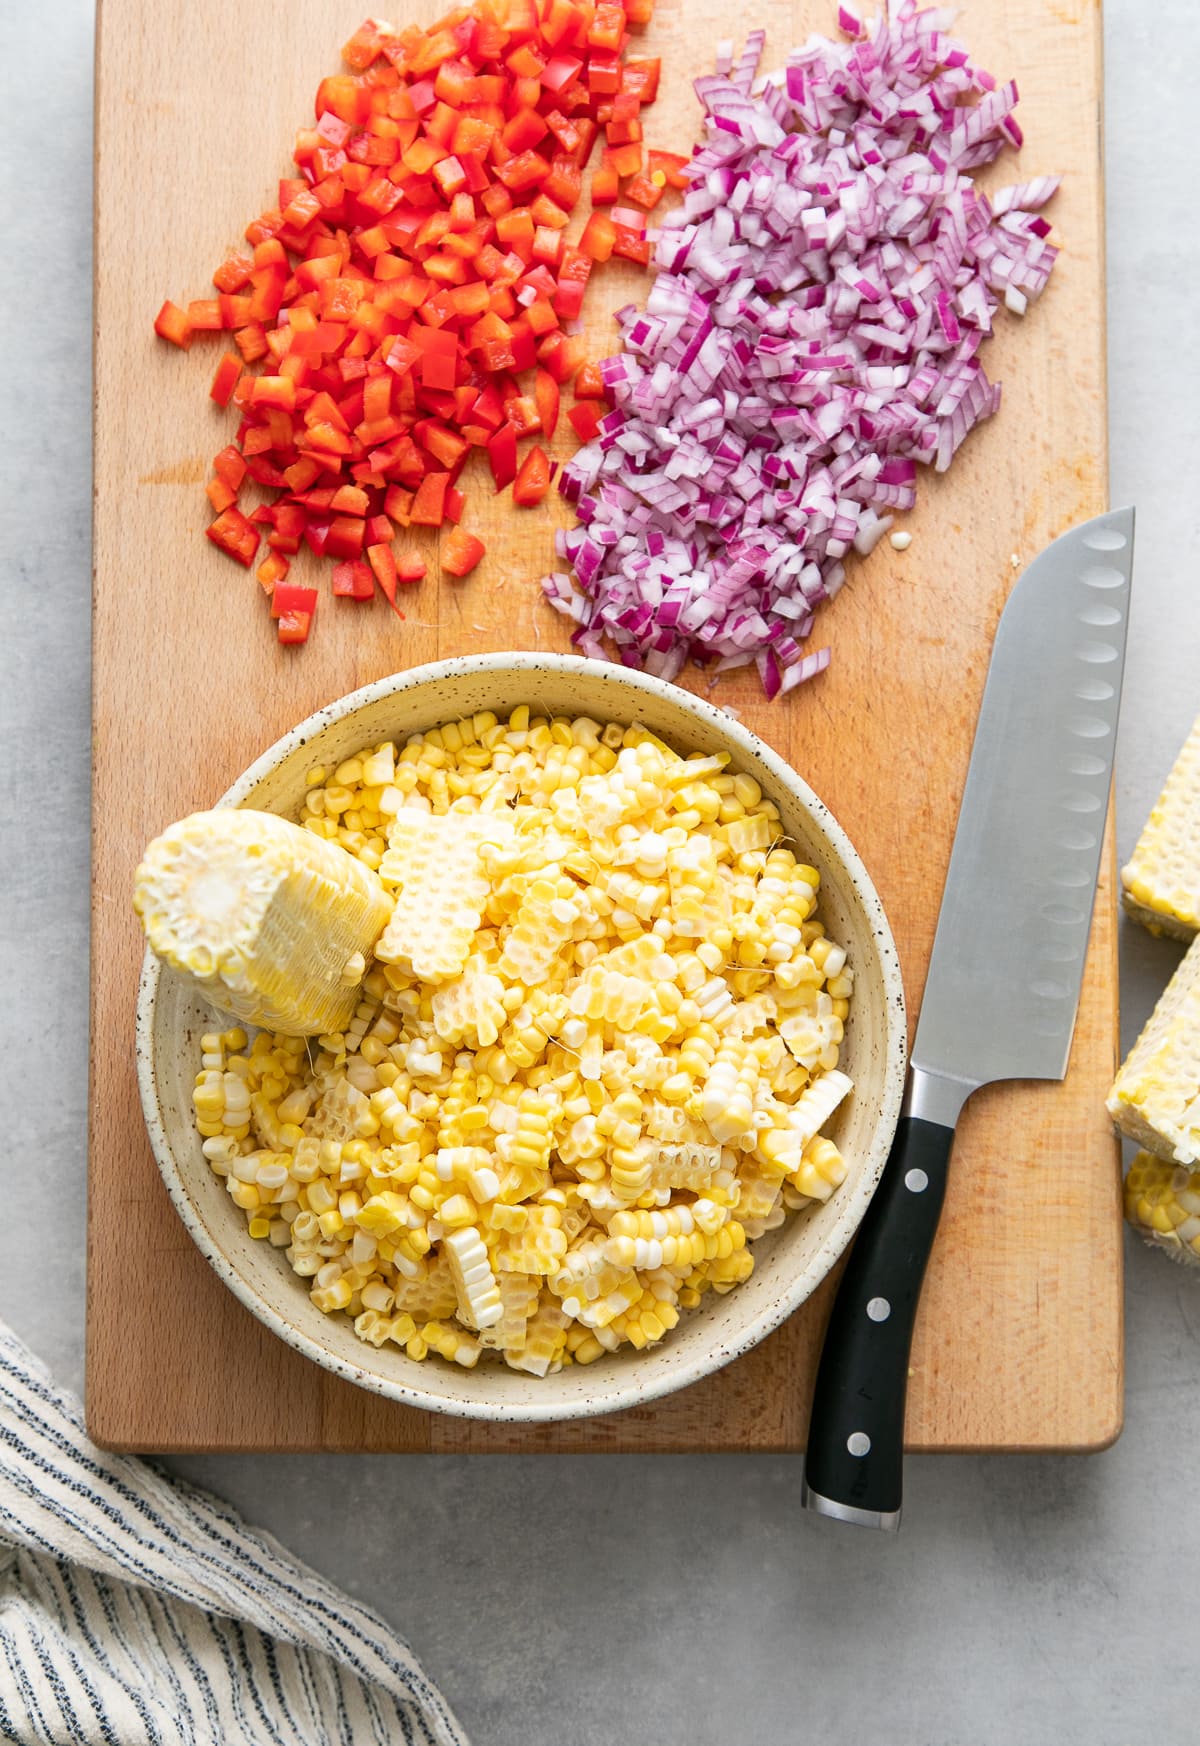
(1004,977)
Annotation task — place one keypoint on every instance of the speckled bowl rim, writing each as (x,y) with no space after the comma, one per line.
(644,1385)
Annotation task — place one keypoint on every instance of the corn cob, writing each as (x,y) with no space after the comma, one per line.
(1161,884)
(1162,1202)
(274,923)
(1155,1100)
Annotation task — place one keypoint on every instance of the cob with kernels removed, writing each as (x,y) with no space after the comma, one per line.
(1161,883)
(274,923)
(1162,1201)
(1155,1100)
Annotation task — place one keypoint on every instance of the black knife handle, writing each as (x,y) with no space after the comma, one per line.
(853,1465)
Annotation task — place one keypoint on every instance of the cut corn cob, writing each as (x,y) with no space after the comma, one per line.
(1155,1100)
(436,864)
(1162,1202)
(1161,884)
(273,922)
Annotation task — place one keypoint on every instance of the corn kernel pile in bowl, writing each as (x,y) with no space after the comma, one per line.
(594,1055)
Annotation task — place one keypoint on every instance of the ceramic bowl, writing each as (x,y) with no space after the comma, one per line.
(792,1261)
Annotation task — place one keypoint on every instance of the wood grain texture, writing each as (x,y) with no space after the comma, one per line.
(1019,1340)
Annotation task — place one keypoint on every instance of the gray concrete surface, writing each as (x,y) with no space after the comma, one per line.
(1029,1601)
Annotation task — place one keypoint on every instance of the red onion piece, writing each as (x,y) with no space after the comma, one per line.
(811,337)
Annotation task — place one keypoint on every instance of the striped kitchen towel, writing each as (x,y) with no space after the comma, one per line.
(138,1609)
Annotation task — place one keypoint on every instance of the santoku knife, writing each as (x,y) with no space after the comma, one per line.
(1004,977)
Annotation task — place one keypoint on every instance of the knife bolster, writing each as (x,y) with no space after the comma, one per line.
(935,1097)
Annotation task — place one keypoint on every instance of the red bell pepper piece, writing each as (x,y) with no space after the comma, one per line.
(461,552)
(631,245)
(599,235)
(294,627)
(345,537)
(572,278)
(585,419)
(562,355)
(273,569)
(410,569)
(428,508)
(171,323)
(533,479)
(236,535)
(502,456)
(589,383)
(383,563)
(230,466)
(670,166)
(644,191)
(353,580)
(546,395)
(288,597)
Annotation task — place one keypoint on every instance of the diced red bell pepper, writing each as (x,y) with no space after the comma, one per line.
(460,552)
(606,185)
(288,597)
(562,355)
(413,267)
(428,508)
(233,273)
(273,569)
(640,78)
(353,580)
(522,413)
(533,479)
(546,396)
(502,456)
(294,627)
(560,72)
(670,166)
(572,278)
(631,245)
(644,191)
(236,535)
(585,419)
(383,563)
(228,374)
(589,383)
(171,323)
(410,569)
(230,466)
(626,160)
(599,235)
(398,504)
(345,537)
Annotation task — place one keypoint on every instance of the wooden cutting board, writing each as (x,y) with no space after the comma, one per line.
(1018,1344)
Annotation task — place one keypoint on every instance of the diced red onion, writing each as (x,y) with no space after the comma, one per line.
(811,337)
